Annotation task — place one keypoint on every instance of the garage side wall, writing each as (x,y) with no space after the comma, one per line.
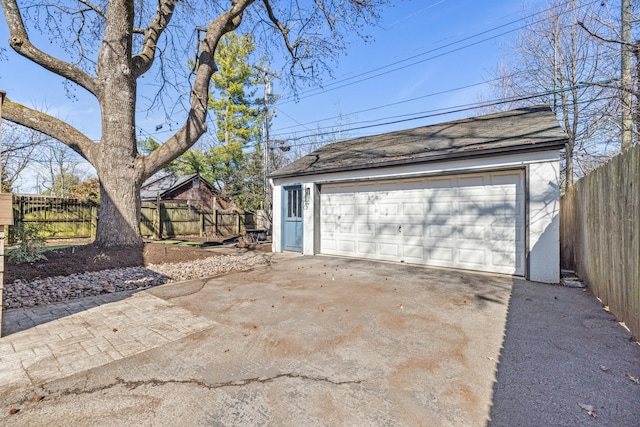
(277,219)
(544,221)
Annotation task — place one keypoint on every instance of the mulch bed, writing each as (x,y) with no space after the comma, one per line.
(86,258)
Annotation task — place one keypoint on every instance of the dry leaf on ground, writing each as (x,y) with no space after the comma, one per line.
(589,408)
(632,378)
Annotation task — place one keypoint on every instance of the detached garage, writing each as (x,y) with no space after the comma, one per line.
(478,194)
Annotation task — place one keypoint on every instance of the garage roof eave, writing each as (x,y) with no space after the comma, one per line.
(443,157)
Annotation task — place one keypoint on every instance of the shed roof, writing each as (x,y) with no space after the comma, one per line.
(526,129)
(166,184)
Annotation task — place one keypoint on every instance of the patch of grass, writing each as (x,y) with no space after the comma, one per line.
(166,242)
(193,244)
(177,242)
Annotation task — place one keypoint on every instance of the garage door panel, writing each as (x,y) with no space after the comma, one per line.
(386,210)
(387,229)
(472,208)
(413,210)
(346,246)
(389,249)
(366,248)
(472,257)
(503,259)
(345,228)
(366,229)
(504,234)
(444,184)
(440,231)
(473,233)
(364,209)
(471,181)
(439,209)
(329,227)
(504,179)
(329,246)
(473,221)
(412,252)
(440,254)
(413,230)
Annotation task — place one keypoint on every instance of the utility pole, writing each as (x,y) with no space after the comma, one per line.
(625,75)
(267,95)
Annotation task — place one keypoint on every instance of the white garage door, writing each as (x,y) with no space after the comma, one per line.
(470,221)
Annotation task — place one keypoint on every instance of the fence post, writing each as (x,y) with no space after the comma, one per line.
(238,221)
(202,230)
(157,229)
(93,229)
(21,209)
(214,216)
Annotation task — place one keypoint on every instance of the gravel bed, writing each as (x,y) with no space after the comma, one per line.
(64,288)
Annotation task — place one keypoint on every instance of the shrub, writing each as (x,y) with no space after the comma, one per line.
(32,244)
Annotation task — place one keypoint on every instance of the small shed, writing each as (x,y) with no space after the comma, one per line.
(481,193)
(192,189)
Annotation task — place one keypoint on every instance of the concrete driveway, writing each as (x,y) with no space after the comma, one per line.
(306,341)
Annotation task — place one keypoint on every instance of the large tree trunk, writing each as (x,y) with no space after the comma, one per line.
(119,218)
(120,176)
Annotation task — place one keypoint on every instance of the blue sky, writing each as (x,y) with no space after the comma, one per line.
(433,32)
(421,29)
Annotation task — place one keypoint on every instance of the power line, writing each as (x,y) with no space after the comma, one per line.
(379,107)
(550,91)
(456,109)
(338,84)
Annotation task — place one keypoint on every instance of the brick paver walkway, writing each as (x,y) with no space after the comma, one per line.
(62,339)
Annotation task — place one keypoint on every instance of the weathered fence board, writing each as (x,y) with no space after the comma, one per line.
(600,234)
(182,219)
(59,218)
(56,217)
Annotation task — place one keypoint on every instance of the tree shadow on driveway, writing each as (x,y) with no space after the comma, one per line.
(565,361)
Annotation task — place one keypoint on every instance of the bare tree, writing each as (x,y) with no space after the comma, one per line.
(113,43)
(558,61)
(59,168)
(616,33)
(19,145)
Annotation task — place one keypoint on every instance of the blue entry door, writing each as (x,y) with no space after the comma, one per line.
(292,218)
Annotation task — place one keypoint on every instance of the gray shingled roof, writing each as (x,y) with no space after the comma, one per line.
(526,129)
(164,185)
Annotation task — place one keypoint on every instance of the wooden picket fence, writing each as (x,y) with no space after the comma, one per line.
(55,218)
(61,218)
(172,219)
(600,234)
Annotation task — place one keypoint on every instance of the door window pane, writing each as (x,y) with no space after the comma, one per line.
(294,203)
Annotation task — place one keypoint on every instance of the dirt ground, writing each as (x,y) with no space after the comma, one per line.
(87,257)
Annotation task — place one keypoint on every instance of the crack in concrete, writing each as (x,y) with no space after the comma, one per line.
(155,382)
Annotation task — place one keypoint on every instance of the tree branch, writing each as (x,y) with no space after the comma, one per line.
(195,125)
(599,37)
(143,61)
(48,125)
(20,42)
(292,48)
(94,8)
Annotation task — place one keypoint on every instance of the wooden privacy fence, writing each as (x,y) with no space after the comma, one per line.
(56,218)
(171,219)
(600,234)
(60,218)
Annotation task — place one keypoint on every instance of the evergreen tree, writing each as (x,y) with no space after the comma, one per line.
(234,165)
(238,120)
